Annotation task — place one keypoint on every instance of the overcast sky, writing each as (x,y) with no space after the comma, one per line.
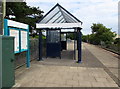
(88,11)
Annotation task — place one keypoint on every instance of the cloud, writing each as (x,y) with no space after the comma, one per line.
(88,11)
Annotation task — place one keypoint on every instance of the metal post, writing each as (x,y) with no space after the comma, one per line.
(74,46)
(79,45)
(4,8)
(28,51)
(1,18)
(2,15)
(6,27)
(60,43)
(66,41)
(46,41)
(40,45)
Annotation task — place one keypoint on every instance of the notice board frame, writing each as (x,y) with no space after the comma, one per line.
(17,26)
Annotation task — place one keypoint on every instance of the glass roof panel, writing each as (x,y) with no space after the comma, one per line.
(68,16)
(58,20)
(50,15)
(56,17)
(62,21)
(59,15)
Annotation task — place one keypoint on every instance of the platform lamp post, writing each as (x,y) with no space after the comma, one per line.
(2,15)
(4,8)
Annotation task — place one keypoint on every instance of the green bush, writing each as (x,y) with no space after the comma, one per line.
(117,41)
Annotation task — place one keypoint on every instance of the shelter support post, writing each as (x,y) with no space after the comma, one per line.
(60,44)
(66,41)
(40,45)
(46,41)
(74,45)
(79,45)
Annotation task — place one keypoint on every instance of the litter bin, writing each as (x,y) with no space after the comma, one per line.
(7,73)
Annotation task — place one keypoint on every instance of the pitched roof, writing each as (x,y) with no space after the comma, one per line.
(58,14)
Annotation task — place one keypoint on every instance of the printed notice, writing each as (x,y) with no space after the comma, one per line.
(15,33)
(23,40)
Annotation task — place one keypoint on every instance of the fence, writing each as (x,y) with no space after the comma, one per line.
(20,59)
(112,47)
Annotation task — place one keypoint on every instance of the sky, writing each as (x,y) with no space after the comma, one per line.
(88,11)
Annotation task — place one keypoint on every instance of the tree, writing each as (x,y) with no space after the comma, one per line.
(117,41)
(101,34)
(84,38)
(95,27)
(71,36)
(23,13)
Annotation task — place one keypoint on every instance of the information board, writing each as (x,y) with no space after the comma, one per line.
(15,33)
(21,41)
(20,32)
(24,40)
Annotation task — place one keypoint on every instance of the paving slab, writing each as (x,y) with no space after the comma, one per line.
(65,72)
(66,78)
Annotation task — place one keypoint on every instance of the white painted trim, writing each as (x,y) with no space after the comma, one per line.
(17,24)
(67,30)
(58,25)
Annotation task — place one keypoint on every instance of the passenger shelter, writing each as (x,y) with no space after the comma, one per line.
(56,22)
